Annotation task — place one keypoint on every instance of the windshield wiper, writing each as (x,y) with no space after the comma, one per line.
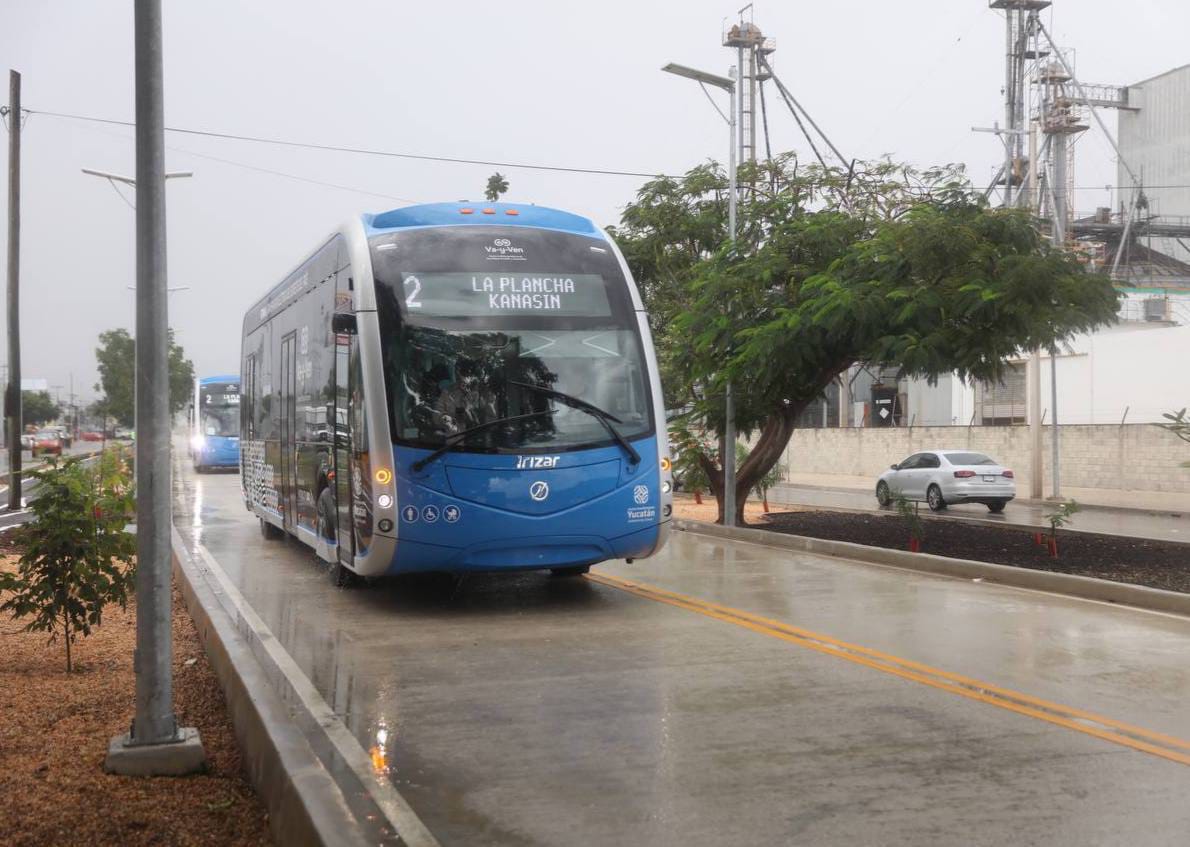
(458,438)
(605,418)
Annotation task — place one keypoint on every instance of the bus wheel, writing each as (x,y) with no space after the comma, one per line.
(269,531)
(343,577)
(326,514)
(567,572)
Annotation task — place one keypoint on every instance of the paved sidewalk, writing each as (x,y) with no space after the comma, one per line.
(1165,502)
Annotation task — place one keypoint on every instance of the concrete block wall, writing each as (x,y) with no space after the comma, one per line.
(1139,457)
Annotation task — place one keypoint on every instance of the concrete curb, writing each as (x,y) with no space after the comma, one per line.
(305,804)
(1084,587)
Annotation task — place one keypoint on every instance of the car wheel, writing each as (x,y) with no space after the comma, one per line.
(883,495)
(934,499)
(997,507)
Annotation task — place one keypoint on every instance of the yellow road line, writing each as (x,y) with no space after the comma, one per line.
(1088,723)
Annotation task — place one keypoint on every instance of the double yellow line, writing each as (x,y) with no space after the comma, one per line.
(1088,723)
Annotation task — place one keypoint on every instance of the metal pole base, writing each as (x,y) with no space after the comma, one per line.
(172,758)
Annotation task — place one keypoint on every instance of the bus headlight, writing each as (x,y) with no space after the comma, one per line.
(384,501)
(198,442)
(665,487)
(666,464)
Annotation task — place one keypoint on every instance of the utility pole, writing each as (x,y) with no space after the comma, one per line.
(154,745)
(12,406)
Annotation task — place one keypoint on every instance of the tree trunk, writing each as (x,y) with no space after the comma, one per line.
(774,437)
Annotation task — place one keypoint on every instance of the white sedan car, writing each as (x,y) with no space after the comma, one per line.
(943,477)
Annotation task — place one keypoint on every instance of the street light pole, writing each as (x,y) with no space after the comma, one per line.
(155,744)
(13,389)
(728,84)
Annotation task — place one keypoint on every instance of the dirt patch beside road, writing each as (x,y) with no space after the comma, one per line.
(1154,564)
(54,731)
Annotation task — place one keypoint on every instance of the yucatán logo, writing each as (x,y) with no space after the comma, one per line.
(539,490)
(503,250)
(641,494)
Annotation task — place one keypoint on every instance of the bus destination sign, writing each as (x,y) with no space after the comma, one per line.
(478,294)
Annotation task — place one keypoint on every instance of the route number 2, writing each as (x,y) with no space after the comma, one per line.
(412,289)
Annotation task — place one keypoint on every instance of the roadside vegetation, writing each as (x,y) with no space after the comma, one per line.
(881,262)
(77,556)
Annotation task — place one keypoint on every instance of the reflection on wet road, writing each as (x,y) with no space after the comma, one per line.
(520,709)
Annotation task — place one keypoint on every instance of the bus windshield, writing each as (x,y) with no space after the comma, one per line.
(457,343)
(219,410)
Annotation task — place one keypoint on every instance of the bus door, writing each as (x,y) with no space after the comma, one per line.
(343,447)
(287,496)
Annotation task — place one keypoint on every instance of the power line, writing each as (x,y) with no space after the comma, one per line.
(359,150)
(390,154)
(262,170)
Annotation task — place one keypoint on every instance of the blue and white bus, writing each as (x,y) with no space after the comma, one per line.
(215,423)
(455,387)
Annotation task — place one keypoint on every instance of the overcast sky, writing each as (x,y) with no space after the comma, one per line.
(536,82)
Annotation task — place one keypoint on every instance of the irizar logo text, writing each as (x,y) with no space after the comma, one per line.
(532,462)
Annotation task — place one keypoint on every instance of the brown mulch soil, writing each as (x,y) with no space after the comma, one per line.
(54,731)
(1155,564)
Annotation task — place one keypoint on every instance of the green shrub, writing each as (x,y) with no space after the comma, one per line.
(76,555)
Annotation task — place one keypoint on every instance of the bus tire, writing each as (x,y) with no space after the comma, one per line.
(270,532)
(563,573)
(343,577)
(326,514)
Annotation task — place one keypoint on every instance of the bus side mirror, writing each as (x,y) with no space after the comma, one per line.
(343,323)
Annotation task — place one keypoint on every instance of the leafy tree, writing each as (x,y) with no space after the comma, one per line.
(880,263)
(116,356)
(77,556)
(1179,425)
(37,407)
(497,185)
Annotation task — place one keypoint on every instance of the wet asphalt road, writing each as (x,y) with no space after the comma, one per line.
(520,709)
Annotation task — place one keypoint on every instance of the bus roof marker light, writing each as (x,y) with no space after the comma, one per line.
(466,211)
(384,476)
(511,212)
(489,211)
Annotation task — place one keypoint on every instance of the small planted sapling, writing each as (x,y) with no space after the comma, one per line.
(907,511)
(1061,516)
(76,555)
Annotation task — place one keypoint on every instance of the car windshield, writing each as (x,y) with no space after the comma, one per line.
(969,459)
(47,434)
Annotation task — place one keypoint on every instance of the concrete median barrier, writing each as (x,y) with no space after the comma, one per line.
(1087,588)
(305,804)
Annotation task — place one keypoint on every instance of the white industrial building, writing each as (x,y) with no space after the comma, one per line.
(1131,372)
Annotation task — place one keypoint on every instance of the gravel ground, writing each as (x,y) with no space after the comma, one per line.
(1155,564)
(54,731)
